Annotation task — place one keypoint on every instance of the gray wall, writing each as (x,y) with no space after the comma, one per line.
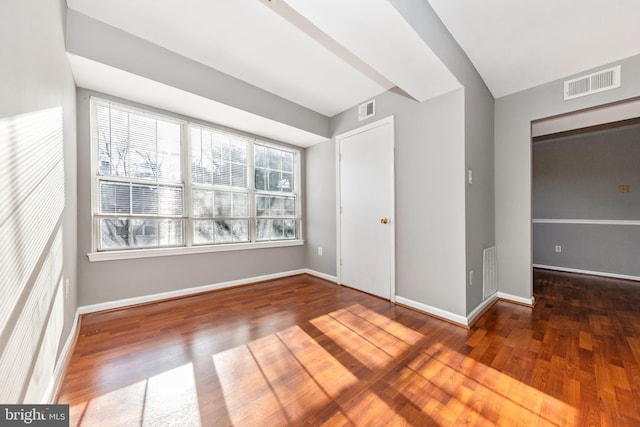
(577,177)
(107,281)
(442,223)
(478,136)
(609,249)
(38,213)
(321,207)
(480,195)
(513,117)
(95,40)
(430,195)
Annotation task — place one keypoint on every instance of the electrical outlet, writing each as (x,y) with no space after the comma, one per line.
(471,278)
(319,250)
(558,248)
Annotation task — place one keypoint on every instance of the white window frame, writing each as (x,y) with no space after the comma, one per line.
(295,192)
(189,247)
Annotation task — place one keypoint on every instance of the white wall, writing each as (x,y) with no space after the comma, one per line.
(38,210)
(513,117)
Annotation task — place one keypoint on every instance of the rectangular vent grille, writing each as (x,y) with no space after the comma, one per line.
(489,272)
(366,110)
(592,83)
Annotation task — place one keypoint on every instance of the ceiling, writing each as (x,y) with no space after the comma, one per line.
(328,56)
(519,44)
(323,57)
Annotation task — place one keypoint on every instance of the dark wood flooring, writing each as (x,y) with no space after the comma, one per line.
(301,351)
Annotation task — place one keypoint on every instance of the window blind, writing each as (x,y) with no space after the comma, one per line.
(160,182)
(140,193)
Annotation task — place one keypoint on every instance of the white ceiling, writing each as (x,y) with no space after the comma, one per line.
(269,44)
(518,44)
(242,38)
(330,56)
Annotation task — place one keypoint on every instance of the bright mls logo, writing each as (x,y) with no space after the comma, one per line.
(34,415)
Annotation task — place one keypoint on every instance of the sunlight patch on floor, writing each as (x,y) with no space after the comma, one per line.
(351,366)
(299,375)
(499,397)
(263,383)
(168,398)
(390,326)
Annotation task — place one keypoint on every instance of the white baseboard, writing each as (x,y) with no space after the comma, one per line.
(589,272)
(461,320)
(455,318)
(63,360)
(324,276)
(110,305)
(471,317)
(67,350)
(519,300)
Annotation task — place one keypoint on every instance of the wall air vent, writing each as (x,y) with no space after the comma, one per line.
(366,110)
(592,83)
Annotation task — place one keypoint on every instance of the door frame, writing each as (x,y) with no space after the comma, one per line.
(387,121)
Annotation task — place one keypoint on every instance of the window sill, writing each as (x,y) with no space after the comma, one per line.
(152,253)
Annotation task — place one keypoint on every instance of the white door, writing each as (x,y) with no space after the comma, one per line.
(366,208)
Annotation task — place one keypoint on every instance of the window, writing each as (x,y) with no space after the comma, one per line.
(275,199)
(220,188)
(161,182)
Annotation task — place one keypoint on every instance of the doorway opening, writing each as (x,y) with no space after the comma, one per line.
(585,194)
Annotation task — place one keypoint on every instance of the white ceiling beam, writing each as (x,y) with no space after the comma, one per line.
(376,33)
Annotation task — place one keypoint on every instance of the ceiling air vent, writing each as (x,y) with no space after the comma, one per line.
(592,83)
(366,110)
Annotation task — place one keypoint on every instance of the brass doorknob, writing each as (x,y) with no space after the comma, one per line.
(384,220)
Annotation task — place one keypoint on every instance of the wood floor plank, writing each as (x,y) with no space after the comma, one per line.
(302,351)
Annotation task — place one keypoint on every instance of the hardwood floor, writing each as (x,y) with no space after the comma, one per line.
(301,351)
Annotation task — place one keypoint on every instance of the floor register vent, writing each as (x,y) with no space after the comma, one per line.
(489,272)
(592,83)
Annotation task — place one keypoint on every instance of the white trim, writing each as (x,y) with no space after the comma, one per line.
(471,317)
(455,318)
(67,350)
(61,363)
(321,275)
(390,121)
(586,221)
(392,254)
(338,215)
(110,305)
(589,272)
(156,252)
(519,300)
(186,184)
